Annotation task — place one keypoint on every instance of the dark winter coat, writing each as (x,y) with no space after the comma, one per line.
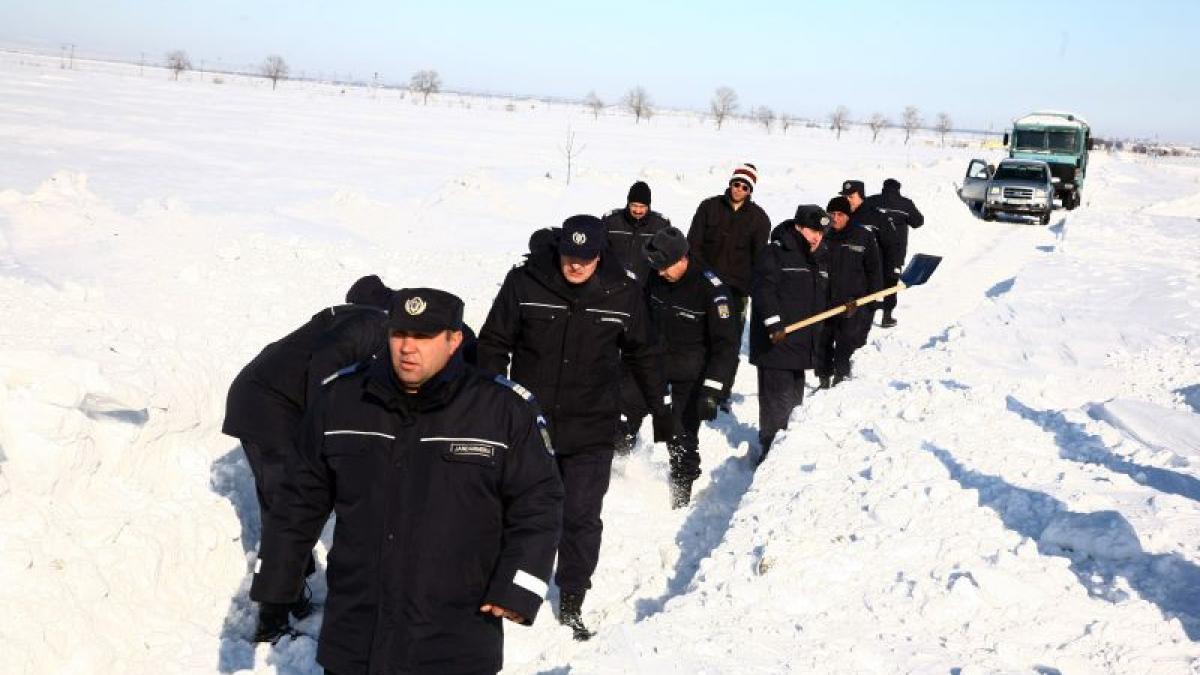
(269,396)
(446,500)
(892,215)
(626,237)
(854,264)
(730,240)
(565,344)
(791,283)
(694,318)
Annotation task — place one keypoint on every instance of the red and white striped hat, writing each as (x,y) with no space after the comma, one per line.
(745,172)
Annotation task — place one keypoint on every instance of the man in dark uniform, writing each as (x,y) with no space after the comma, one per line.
(790,283)
(729,231)
(564,319)
(628,231)
(854,271)
(692,312)
(268,398)
(447,500)
(631,227)
(897,213)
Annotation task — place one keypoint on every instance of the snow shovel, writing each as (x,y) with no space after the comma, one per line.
(918,271)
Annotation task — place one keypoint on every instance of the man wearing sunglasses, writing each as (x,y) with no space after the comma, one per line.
(730,231)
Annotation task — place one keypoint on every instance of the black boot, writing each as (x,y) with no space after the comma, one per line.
(302,607)
(823,382)
(570,614)
(681,492)
(272,623)
(888,321)
(838,379)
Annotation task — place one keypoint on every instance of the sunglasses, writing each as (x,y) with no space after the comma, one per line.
(740,185)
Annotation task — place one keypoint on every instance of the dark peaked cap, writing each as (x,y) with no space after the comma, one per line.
(425,310)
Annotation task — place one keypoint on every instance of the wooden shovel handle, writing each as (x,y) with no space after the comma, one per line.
(834,311)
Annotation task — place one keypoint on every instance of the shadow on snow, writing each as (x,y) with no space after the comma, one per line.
(1166,580)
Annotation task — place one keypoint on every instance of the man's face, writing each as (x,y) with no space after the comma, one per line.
(855,199)
(838,219)
(416,357)
(638,210)
(675,271)
(813,237)
(739,190)
(578,270)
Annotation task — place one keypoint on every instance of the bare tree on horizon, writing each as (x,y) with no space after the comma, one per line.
(571,151)
(724,103)
(764,116)
(944,125)
(638,102)
(178,61)
(425,82)
(595,103)
(275,69)
(838,119)
(912,121)
(786,121)
(877,123)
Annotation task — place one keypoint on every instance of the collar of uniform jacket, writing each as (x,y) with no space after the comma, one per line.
(383,384)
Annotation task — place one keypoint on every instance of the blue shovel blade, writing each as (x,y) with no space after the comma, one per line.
(919,269)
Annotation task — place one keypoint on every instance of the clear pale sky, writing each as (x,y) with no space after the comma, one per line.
(1131,68)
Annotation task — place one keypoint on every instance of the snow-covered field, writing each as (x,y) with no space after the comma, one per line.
(1010,483)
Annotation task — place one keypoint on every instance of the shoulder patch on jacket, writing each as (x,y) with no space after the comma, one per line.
(712,277)
(528,397)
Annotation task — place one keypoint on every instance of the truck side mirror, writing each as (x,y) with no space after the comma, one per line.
(991,169)
(1006,138)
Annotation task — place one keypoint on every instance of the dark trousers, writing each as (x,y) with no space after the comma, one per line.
(685,454)
(740,304)
(893,263)
(840,337)
(633,405)
(269,466)
(779,393)
(585,478)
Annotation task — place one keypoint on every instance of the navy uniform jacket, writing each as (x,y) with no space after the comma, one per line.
(790,283)
(446,500)
(694,318)
(566,344)
(626,237)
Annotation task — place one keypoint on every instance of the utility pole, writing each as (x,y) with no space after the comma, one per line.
(72,66)
(142,65)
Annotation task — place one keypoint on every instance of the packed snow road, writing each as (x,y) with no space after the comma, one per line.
(1010,482)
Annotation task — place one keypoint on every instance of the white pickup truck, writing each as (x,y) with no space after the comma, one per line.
(1017,186)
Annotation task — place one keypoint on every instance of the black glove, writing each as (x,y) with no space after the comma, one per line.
(851,308)
(666,427)
(707,405)
(778,335)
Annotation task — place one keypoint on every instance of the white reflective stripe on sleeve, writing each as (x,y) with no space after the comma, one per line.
(771,320)
(667,399)
(531,583)
(258,565)
(713,383)
(353,432)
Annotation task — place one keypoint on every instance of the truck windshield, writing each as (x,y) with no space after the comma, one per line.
(1062,142)
(1020,172)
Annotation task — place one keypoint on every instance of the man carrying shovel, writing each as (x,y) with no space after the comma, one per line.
(854,271)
